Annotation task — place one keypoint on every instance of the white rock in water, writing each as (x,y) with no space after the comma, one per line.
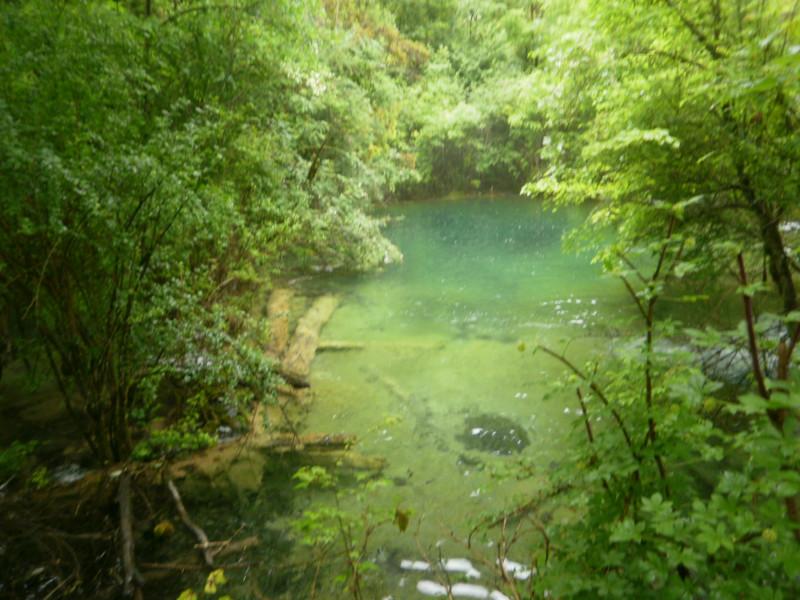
(67,474)
(469,590)
(431,588)
(789,226)
(498,595)
(461,565)
(516,569)
(414,565)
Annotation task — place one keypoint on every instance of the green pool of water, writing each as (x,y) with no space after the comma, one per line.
(441,334)
(439,364)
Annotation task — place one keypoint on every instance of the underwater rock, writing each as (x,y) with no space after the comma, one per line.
(493,433)
(460,565)
(67,474)
(469,590)
(431,588)
(458,590)
(451,565)
(469,461)
(414,565)
(519,571)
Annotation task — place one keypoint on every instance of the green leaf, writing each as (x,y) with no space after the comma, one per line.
(684,268)
(752,289)
(627,531)
(750,404)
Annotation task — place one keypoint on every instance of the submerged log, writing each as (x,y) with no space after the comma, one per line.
(215,460)
(288,390)
(394,388)
(288,442)
(348,459)
(278,314)
(282,414)
(296,365)
(394,345)
(338,346)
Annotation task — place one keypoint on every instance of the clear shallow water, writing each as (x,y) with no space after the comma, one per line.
(440,335)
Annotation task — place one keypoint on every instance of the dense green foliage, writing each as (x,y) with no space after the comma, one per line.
(460,114)
(156,168)
(679,120)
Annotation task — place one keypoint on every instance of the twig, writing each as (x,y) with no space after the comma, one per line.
(201,536)
(589,433)
(598,392)
(176,566)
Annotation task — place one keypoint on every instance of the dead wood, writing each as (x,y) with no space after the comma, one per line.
(132,581)
(278,314)
(158,571)
(288,442)
(230,547)
(288,390)
(349,459)
(201,536)
(296,365)
(339,346)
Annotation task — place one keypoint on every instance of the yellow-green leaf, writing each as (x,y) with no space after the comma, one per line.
(401,518)
(164,528)
(215,578)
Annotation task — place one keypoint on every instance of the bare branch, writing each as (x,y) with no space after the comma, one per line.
(201,536)
(758,372)
(598,392)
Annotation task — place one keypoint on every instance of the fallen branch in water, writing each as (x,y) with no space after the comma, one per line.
(278,313)
(296,364)
(285,442)
(201,536)
(339,346)
(347,459)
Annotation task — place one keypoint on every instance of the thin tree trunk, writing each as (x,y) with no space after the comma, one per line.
(132,580)
(779,268)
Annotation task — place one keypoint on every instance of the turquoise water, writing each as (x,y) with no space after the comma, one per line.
(441,336)
(435,350)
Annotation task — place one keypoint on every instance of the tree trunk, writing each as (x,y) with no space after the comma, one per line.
(779,267)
